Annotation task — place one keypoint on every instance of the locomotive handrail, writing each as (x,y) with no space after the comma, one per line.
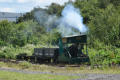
(68,53)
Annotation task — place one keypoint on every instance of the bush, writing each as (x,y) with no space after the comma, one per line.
(7,53)
(24,65)
(104,56)
(10,52)
(2,63)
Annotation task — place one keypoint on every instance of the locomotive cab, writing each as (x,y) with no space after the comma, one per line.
(73,49)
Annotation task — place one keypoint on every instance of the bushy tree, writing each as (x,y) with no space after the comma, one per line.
(6,31)
(102,17)
(55,9)
(26,17)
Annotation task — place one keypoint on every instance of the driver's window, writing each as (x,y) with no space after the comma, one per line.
(67,45)
(80,46)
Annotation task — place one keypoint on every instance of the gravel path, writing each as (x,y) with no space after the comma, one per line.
(86,76)
(101,77)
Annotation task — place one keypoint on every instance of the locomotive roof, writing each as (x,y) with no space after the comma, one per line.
(74,36)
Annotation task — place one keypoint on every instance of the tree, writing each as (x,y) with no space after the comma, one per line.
(55,9)
(6,30)
(102,17)
(26,17)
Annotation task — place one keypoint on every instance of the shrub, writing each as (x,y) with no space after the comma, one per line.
(105,56)
(24,65)
(2,63)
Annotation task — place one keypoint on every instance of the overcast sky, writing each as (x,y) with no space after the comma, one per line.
(21,6)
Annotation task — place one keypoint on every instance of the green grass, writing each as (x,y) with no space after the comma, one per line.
(55,69)
(5,75)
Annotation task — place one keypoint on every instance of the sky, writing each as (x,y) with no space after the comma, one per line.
(21,6)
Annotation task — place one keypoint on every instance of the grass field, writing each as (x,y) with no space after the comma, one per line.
(57,69)
(25,71)
(5,75)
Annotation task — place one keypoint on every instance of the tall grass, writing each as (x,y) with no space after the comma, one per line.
(104,55)
(10,52)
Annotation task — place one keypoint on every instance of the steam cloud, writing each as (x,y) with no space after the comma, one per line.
(71,22)
(46,20)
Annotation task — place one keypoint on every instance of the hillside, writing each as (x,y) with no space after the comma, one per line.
(10,16)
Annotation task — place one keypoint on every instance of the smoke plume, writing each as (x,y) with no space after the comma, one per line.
(71,19)
(70,23)
(46,20)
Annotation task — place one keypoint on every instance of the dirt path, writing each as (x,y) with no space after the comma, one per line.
(86,76)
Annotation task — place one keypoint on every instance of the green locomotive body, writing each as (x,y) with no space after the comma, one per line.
(71,49)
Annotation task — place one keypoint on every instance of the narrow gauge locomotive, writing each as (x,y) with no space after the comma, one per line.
(70,51)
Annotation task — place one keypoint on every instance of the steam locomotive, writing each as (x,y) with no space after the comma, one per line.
(72,49)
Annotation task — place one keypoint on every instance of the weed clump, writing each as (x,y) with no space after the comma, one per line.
(25,65)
